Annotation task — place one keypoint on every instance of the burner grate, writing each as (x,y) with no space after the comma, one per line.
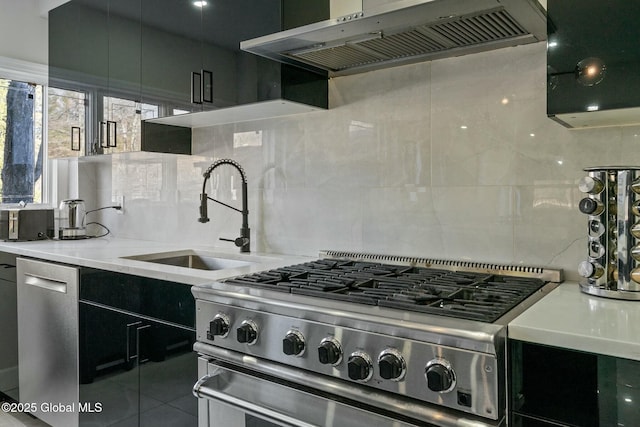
(476,296)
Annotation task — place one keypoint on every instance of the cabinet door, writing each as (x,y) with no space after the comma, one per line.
(167,370)
(135,370)
(78,45)
(120,122)
(238,77)
(66,123)
(78,70)
(171,55)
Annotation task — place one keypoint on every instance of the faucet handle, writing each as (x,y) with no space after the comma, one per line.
(239,241)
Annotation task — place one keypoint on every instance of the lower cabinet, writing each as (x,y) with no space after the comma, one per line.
(8,326)
(553,386)
(129,348)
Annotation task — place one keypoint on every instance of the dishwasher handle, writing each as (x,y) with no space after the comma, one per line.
(201,389)
(45,283)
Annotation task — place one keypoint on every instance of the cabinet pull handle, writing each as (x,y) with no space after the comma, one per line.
(207,86)
(139,327)
(45,283)
(75,138)
(102,134)
(130,357)
(111,134)
(196,88)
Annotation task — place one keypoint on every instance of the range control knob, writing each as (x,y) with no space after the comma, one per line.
(219,326)
(440,376)
(360,366)
(391,365)
(330,351)
(247,333)
(293,343)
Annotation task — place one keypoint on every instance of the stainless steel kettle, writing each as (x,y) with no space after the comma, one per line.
(72,214)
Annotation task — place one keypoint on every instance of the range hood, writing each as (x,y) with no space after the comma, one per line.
(391,33)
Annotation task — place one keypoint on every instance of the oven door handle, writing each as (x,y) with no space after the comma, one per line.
(202,390)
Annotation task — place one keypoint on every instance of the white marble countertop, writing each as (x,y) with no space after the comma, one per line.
(106,254)
(572,319)
(564,318)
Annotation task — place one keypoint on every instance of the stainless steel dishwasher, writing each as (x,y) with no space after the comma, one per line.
(48,340)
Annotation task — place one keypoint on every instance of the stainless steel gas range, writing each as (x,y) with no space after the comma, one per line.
(353,340)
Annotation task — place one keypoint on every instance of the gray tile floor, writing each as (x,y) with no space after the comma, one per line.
(166,399)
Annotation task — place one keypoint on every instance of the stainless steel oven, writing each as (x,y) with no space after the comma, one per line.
(232,395)
(354,340)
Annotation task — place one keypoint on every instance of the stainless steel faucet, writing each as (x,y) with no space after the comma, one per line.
(243,241)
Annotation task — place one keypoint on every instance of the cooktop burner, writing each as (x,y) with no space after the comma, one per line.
(467,295)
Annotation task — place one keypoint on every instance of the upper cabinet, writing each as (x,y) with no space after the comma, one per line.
(78,66)
(193,62)
(95,101)
(171,55)
(592,62)
(172,62)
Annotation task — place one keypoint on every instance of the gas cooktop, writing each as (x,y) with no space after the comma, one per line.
(418,337)
(468,295)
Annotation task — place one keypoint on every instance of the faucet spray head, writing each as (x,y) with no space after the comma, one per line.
(203,208)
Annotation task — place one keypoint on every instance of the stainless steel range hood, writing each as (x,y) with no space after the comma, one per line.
(404,31)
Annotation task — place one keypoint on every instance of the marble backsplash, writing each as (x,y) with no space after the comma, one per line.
(450,159)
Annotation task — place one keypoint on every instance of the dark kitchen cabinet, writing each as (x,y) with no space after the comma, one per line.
(171,54)
(95,65)
(146,365)
(192,62)
(140,60)
(592,62)
(8,325)
(78,69)
(553,386)
(136,339)
(136,356)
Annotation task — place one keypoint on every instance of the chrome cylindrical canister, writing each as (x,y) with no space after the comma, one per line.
(612,205)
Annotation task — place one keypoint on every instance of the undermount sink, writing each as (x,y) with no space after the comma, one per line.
(192,259)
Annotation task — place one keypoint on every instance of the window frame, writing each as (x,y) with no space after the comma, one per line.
(25,71)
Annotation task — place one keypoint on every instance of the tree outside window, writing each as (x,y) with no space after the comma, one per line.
(21,156)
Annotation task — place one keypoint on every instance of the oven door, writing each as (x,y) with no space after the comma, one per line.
(232,396)
(243,391)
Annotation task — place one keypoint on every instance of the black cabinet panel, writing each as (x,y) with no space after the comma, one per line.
(125,45)
(555,385)
(145,59)
(552,386)
(191,58)
(592,55)
(78,46)
(168,301)
(171,51)
(136,357)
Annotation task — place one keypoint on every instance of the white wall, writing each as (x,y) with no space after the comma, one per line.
(24,31)
(389,169)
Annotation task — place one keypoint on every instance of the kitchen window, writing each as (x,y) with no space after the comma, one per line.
(22,156)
